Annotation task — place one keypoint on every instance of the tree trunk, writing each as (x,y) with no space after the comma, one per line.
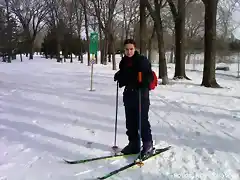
(188,57)
(31,48)
(162,68)
(150,45)
(21,56)
(71,58)
(105,50)
(114,66)
(123,29)
(109,52)
(80,57)
(156,15)
(86,30)
(58,39)
(109,56)
(209,79)
(172,54)
(180,72)
(172,58)
(79,24)
(112,51)
(143,28)
(162,59)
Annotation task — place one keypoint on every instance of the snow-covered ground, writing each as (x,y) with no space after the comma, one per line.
(47,113)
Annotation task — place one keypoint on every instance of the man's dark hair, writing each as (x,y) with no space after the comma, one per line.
(129,41)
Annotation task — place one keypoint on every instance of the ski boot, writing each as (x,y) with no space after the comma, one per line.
(147,149)
(131,148)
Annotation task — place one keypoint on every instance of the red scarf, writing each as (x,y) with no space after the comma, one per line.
(128,61)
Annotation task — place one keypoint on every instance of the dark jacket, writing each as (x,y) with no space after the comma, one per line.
(128,76)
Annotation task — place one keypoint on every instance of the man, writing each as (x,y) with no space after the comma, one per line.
(127,76)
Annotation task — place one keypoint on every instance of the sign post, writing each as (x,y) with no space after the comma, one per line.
(93,48)
(238,71)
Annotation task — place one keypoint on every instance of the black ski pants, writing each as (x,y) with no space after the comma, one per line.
(131,103)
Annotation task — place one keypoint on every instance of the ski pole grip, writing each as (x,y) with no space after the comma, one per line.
(139,77)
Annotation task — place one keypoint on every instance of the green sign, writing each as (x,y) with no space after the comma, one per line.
(93,43)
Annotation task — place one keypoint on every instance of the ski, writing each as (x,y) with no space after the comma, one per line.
(157,152)
(96,158)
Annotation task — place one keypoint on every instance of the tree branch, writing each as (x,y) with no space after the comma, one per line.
(173,9)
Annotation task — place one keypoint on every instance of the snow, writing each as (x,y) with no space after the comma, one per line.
(47,113)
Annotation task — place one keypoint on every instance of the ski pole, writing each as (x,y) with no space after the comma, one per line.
(140,114)
(115,147)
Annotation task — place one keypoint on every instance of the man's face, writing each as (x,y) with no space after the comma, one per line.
(129,50)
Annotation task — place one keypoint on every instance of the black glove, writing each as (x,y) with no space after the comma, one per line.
(117,76)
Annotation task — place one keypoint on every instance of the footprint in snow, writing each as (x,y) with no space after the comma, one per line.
(21,148)
(198,151)
(92,131)
(89,144)
(210,151)
(236,117)
(198,133)
(185,160)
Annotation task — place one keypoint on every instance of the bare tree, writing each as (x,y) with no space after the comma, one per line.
(9,32)
(130,15)
(179,15)
(54,21)
(225,22)
(105,13)
(126,19)
(225,26)
(69,20)
(85,7)
(31,15)
(143,28)
(168,25)
(156,16)
(209,79)
(150,42)
(79,21)
(194,26)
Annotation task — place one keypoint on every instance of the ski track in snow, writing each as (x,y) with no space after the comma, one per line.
(47,113)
